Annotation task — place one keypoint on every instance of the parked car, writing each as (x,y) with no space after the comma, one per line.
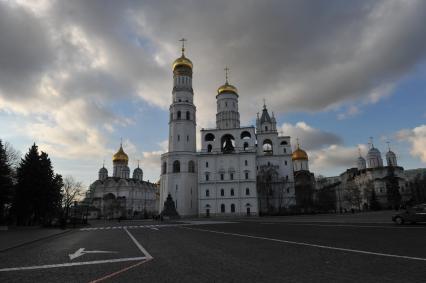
(414,214)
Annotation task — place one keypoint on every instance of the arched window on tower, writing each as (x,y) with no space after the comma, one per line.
(176,166)
(232,207)
(209,148)
(209,137)
(164,168)
(188,115)
(222,208)
(191,167)
(267,146)
(246,145)
(178,115)
(227,143)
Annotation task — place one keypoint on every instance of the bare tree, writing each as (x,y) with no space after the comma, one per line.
(71,191)
(13,158)
(13,155)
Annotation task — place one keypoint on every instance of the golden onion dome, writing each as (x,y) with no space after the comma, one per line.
(299,154)
(182,61)
(227,88)
(120,155)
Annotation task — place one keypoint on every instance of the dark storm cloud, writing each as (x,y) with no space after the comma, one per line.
(25,51)
(307,55)
(299,55)
(309,137)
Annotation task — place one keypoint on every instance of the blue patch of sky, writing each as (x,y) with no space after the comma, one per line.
(403,109)
(149,126)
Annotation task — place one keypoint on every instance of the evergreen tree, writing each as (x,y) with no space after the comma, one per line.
(38,189)
(28,182)
(6,184)
(50,191)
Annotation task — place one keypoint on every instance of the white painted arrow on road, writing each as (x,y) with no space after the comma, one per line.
(82,251)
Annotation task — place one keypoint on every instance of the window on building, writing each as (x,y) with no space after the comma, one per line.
(267,146)
(164,168)
(246,145)
(247,191)
(245,162)
(232,208)
(232,192)
(221,176)
(247,175)
(191,166)
(266,128)
(178,115)
(207,176)
(288,191)
(176,166)
(231,176)
(187,138)
(222,208)
(222,192)
(286,177)
(285,162)
(207,164)
(209,137)
(188,115)
(285,150)
(178,137)
(207,193)
(209,148)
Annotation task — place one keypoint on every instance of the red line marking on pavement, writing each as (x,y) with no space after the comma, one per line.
(120,271)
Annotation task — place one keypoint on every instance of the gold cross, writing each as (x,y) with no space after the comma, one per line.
(183,44)
(226,74)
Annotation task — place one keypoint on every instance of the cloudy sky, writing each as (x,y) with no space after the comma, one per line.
(76,76)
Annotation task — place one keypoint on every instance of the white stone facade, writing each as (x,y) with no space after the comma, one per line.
(227,181)
(221,179)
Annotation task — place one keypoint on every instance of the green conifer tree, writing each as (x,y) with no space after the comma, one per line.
(6,184)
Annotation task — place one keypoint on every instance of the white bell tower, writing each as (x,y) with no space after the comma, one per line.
(178,165)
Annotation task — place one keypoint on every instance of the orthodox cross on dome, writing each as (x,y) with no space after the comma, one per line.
(388,143)
(359,151)
(297,142)
(264,103)
(183,45)
(226,74)
(138,163)
(103,163)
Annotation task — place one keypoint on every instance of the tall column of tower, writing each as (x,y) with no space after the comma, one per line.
(227,116)
(182,124)
(178,169)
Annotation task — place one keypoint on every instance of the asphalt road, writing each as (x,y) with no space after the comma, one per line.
(247,250)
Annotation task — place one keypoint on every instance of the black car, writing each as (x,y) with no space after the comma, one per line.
(414,214)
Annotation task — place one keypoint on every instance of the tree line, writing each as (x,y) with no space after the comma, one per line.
(31,193)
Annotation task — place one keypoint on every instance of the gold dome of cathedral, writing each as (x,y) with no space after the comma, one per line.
(182,62)
(227,88)
(299,154)
(120,156)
